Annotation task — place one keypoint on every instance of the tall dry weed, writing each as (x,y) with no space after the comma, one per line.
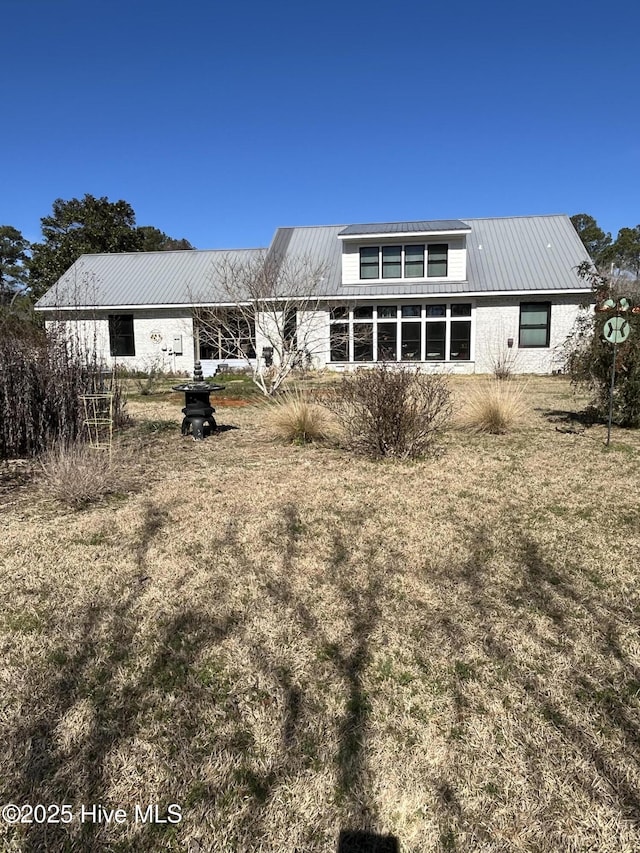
(77,474)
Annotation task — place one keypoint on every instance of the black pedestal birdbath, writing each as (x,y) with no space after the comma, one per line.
(198,411)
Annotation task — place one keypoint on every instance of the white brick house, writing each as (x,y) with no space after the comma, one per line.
(445,295)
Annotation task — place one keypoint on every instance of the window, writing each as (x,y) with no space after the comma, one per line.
(437,255)
(290,328)
(387,341)
(121,337)
(436,310)
(339,342)
(411,341)
(392,262)
(436,341)
(369,263)
(414,261)
(535,323)
(339,334)
(423,332)
(411,311)
(460,348)
(404,261)
(388,312)
(226,335)
(363,341)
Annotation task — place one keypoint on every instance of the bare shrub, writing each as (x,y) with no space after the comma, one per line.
(42,379)
(502,363)
(495,406)
(298,420)
(77,474)
(391,411)
(148,380)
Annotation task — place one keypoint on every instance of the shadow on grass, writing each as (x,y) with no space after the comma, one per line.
(97,665)
(594,714)
(350,659)
(367,842)
(586,417)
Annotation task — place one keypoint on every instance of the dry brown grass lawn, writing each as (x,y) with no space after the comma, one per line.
(291,642)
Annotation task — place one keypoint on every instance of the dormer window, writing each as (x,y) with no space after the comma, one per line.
(399,262)
(369,262)
(392,262)
(414,261)
(437,260)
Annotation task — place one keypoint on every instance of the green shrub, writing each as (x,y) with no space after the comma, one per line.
(589,362)
(391,411)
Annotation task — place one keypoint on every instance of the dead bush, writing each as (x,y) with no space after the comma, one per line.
(387,411)
(77,474)
(43,376)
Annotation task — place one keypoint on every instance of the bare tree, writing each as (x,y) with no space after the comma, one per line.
(263,309)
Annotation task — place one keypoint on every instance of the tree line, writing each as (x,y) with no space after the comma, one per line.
(75,227)
(623,252)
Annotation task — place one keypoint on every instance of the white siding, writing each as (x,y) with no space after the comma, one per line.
(498,319)
(350,263)
(457,260)
(91,331)
(457,268)
(313,335)
(494,321)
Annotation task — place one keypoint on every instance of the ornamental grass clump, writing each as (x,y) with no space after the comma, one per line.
(295,419)
(391,411)
(495,406)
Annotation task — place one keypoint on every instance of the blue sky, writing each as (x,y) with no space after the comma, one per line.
(221,121)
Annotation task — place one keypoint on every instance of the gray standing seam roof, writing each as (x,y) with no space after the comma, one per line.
(405,227)
(144,278)
(507,255)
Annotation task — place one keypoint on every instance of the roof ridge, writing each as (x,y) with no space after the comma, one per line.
(518,216)
(171,252)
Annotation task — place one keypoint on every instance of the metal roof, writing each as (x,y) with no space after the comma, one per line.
(507,255)
(405,227)
(523,253)
(145,278)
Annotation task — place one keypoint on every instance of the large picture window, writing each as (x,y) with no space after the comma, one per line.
(535,324)
(402,333)
(121,337)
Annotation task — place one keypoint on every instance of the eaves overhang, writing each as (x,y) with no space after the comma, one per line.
(403,235)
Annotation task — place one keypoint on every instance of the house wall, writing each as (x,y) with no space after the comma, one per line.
(457,264)
(498,318)
(313,335)
(494,321)
(91,330)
